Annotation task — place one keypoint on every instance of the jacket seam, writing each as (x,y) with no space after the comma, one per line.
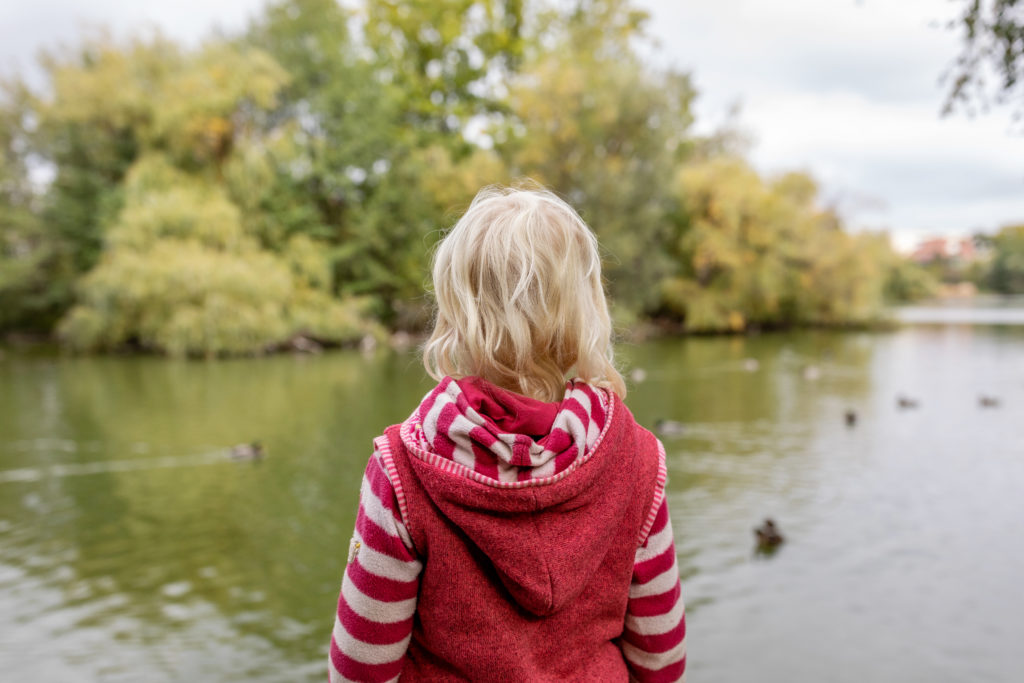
(659,495)
(547,566)
(383,444)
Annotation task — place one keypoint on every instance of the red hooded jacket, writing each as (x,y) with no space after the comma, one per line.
(529,580)
(508,539)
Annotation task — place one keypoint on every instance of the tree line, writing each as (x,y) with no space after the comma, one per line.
(290,180)
(996,267)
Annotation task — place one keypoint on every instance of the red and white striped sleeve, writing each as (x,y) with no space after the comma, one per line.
(374,620)
(654,639)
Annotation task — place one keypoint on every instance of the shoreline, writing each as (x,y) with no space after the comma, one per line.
(977,309)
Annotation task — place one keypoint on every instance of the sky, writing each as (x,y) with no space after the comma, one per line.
(847,90)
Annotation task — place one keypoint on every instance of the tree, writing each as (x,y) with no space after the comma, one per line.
(376,127)
(34,271)
(590,120)
(763,254)
(180,270)
(992,45)
(441,57)
(1007,270)
(90,129)
(293,180)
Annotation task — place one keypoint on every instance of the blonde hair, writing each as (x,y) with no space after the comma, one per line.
(519,296)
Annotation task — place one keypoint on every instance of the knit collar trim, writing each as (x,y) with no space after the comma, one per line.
(448,431)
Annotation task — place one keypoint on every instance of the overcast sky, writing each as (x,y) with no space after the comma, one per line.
(846,90)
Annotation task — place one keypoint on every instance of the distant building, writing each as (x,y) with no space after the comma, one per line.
(959,249)
(929,250)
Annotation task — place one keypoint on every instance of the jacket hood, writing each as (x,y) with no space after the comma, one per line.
(505,436)
(496,464)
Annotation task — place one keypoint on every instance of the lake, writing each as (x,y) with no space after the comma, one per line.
(132,549)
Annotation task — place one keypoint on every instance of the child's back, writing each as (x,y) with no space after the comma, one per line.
(504,536)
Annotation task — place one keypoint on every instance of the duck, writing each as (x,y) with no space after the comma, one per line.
(669,427)
(768,536)
(246,451)
(851,417)
(988,401)
(751,364)
(812,373)
(638,375)
(905,402)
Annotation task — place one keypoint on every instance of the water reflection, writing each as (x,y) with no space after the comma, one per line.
(980,310)
(130,518)
(130,544)
(884,519)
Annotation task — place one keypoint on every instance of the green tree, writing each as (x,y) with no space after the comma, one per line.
(373,125)
(1007,271)
(906,281)
(90,128)
(441,57)
(181,271)
(292,180)
(762,254)
(180,275)
(33,281)
(593,122)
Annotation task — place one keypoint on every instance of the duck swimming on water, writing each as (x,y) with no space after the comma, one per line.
(905,402)
(768,536)
(669,427)
(247,451)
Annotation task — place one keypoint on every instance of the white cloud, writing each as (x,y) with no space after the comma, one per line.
(844,89)
(849,91)
(28,27)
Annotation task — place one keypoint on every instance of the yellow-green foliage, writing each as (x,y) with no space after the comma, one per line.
(762,253)
(1006,274)
(196,110)
(179,272)
(184,103)
(164,203)
(185,298)
(606,132)
(293,180)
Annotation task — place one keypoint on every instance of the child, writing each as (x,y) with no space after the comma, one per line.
(514,527)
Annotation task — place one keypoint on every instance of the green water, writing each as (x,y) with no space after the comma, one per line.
(132,548)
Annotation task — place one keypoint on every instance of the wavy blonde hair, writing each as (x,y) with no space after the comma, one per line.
(519,296)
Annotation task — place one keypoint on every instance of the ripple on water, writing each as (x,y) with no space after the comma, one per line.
(900,531)
(176,589)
